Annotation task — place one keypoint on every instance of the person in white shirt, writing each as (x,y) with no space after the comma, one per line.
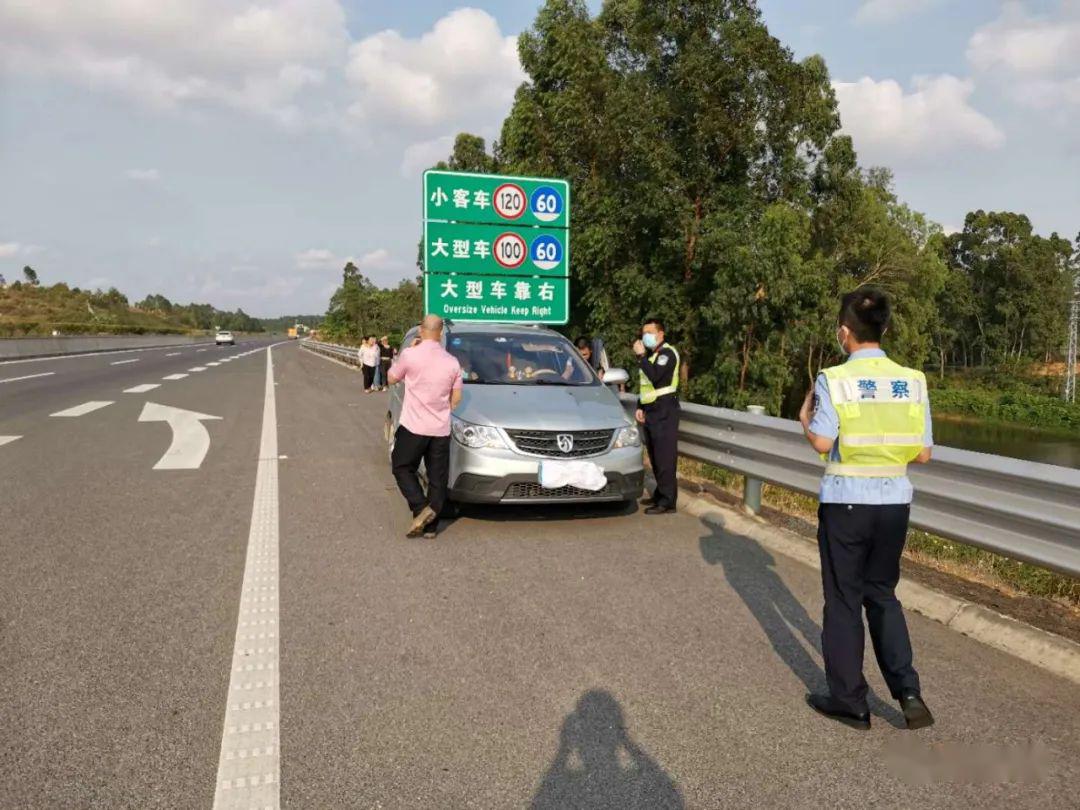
(369,361)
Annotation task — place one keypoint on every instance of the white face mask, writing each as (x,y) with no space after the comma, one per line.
(840,342)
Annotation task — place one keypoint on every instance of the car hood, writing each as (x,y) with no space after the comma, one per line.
(526,407)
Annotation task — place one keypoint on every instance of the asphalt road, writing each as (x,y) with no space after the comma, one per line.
(536,658)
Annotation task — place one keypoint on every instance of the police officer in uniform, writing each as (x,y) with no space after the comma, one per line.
(872,418)
(658,411)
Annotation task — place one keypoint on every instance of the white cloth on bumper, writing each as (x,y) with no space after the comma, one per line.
(580,474)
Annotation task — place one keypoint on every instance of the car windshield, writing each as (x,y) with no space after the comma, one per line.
(519,359)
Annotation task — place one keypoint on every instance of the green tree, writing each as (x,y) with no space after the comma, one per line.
(31,276)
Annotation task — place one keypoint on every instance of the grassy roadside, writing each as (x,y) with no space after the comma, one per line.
(1025,398)
(955,559)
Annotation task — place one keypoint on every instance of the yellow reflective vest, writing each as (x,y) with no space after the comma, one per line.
(647,394)
(882,410)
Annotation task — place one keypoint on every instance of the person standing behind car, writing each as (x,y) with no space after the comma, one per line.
(387,353)
(658,411)
(433,388)
(369,361)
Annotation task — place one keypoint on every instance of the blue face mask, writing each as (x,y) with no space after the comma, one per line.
(650,340)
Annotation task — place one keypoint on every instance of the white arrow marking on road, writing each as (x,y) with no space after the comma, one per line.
(79,410)
(28,377)
(142,389)
(8,439)
(174,377)
(190,439)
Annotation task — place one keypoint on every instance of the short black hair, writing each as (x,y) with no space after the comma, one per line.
(866,312)
(583,342)
(659,324)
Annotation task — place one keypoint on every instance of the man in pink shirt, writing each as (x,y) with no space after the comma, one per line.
(433,386)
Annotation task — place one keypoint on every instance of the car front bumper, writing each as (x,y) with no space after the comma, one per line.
(504,476)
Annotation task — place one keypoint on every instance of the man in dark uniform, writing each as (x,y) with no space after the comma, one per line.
(658,411)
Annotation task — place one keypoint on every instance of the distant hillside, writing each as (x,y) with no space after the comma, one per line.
(31,309)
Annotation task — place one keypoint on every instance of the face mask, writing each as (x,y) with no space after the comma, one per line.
(650,340)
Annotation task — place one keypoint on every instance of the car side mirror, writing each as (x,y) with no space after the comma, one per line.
(615,376)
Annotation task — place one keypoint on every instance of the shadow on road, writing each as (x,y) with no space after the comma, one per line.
(599,767)
(751,571)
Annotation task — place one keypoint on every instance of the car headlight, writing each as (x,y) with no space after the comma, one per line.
(476,436)
(628,436)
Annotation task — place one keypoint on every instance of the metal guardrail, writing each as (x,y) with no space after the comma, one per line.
(1020,509)
(346,354)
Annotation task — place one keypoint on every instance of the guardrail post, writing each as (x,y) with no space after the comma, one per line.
(752,486)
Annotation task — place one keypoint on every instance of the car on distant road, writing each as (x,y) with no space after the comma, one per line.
(224,337)
(531,399)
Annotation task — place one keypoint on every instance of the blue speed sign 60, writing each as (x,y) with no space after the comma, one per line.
(546,252)
(546,203)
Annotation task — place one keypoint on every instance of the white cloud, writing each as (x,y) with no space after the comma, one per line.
(12,249)
(173,54)
(891,126)
(1036,57)
(880,12)
(143,175)
(425,154)
(319,259)
(464,71)
(380,257)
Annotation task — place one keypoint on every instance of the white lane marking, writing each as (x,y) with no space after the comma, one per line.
(28,377)
(214,364)
(174,376)
(8,439)
(190,439)
(122,362)
(198,368)
(113,352)
(200,350)
(142,389)
(249,766)
(79,410)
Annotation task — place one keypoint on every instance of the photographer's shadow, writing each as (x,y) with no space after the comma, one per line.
(751,571)
(599,767)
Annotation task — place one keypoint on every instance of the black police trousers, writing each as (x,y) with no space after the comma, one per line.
(860,566)
(661,435)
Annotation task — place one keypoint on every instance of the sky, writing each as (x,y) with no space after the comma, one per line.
(239,152)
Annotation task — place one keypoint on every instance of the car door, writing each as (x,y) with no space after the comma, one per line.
(397,394)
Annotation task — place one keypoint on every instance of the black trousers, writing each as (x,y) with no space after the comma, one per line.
(409,449)
(860,566)
(661,435)
(369,376)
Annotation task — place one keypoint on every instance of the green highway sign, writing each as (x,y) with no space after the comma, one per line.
(496,199)
(471,297)
(508,250)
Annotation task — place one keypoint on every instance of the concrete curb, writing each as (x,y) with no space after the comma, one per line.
(1045,650)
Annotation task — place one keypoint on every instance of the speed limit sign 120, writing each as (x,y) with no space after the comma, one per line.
(510,201)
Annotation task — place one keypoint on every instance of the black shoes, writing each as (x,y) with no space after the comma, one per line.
(824,704)
(660,510)
(648,501)
(915,712)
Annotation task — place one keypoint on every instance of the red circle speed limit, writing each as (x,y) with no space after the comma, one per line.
(510,250)
(510,201)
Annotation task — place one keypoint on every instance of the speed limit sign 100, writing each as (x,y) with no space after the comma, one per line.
(510,201)
(510,250)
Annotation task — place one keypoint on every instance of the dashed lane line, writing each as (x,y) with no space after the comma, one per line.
(142,389)
(124,362)
(28,377)
(173,354)
(113,352)
(198,368)
(8,439)
(174,376)
(249,765)
(85,408)
(215,363)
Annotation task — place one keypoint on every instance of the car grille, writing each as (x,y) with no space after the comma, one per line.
(546,442)
(530,490)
